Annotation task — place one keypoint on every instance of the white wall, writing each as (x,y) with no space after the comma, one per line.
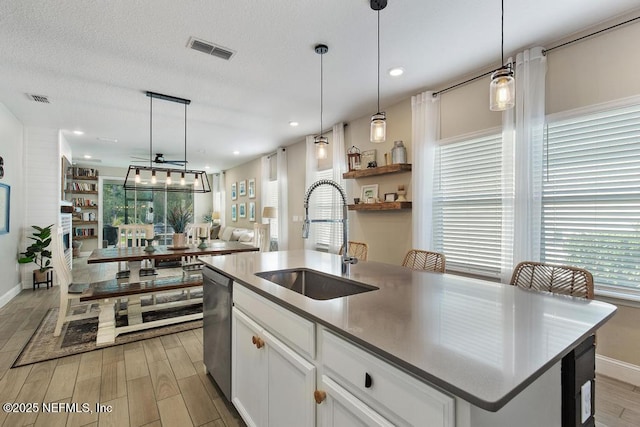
(11,150)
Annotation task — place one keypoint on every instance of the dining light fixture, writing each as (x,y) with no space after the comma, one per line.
(138,176)
(320,141)
(379,119)
(502,87)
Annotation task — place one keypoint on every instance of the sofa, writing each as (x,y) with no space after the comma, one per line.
(234,234)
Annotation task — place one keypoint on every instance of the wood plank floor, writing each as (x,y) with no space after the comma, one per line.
(156,382)
(160,381)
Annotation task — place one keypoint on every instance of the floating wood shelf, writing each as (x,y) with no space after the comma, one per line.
(84,237)
(76,222)
(80,192)
(87,207)
(381,170)
(85,178)
(384,206)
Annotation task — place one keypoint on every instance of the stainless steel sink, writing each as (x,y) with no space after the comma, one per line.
(314,284)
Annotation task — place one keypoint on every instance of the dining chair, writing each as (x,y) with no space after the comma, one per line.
(417,259)
(262,237)
(357,249)
(559,279)
(70,306)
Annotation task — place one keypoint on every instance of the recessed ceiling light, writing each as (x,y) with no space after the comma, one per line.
(293,124)
(236,153)
(86,156)
(396,71)
(78,132)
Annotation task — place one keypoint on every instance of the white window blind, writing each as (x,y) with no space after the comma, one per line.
(468,207)
(591,197)
(323,200)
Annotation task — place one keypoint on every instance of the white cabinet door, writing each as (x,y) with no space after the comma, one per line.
(342,409)
(249,371)
(291,382)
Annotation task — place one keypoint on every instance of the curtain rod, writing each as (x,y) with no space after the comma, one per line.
(544,52)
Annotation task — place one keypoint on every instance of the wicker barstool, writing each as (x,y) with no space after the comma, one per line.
(559,279)
(417,259)
(358,250)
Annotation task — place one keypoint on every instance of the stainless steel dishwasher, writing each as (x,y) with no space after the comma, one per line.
(217,328)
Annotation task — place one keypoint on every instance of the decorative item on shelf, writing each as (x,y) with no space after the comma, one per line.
(369,193)
(38,253)
(502,86)
(390,197)
(379,119)
(369,158)
(178,217)
(399,152)
(321,141)
(149,178)
(401,194)
(387,159)
(356,200)
(354,158)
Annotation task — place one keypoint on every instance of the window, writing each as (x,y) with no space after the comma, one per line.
(468,205)
(591,197)
(323,204)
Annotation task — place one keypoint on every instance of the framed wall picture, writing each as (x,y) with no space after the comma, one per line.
(243,210)
(370,193)
(242,188)
(5,208)
(390,197)
(234,212)
(252,188)
(234,191)
(368,159)
(252,210)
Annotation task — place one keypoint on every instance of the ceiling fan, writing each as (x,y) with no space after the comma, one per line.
(159,159)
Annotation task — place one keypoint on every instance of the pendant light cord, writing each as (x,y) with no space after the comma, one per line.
(151,132)
(185,137)
(321,91)
(379,60)
(502,34)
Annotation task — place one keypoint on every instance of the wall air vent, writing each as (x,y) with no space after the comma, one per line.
(210,48)
(39,98)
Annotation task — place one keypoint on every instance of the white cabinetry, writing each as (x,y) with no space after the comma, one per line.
(395,395)
(272,385)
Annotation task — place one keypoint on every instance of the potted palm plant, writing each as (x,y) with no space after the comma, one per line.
(178,217)
(38,252)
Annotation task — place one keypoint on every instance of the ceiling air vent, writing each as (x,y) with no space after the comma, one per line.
(39,98)
(210,48)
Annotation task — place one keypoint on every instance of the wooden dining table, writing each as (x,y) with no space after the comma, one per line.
(136,255)
(108,292)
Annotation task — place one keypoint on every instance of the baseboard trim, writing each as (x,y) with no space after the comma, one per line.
(617,369)
(4,299)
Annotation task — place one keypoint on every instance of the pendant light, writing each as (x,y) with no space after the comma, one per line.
(502,87)
(320,141)
(379,119)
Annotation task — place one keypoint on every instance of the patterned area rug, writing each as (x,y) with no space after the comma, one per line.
(79,336)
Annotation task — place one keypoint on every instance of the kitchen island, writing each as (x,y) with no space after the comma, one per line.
(496,350)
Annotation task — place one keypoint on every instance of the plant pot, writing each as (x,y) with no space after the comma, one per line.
(179,240)
(40,276)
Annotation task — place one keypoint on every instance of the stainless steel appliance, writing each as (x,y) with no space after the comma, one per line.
(217,328)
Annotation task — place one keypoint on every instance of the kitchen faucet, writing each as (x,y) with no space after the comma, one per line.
(346,259)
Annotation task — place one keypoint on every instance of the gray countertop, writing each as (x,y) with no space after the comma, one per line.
(481,341)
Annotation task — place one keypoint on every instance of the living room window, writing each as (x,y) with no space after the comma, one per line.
(591,197)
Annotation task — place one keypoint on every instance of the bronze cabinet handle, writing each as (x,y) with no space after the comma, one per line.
(319,396)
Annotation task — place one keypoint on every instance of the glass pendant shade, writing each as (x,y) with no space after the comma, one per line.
(378,128)
(182,181)
(153,177)
(196,180)
(321,143)
(502,93)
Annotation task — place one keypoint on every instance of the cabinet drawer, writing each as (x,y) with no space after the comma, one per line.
(378,383)
(294,330)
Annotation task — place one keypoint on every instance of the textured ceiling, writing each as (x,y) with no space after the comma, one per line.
(95,60)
